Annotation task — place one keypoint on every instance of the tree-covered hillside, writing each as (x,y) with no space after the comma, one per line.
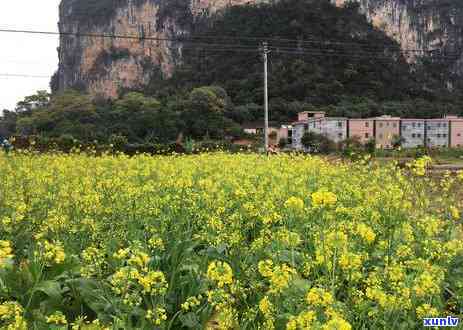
(342,58)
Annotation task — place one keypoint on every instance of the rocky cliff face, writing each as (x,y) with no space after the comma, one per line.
(425,27)
(104,65)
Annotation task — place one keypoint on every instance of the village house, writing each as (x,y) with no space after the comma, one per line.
(437,132)
(385,130)
(361,129)
(456,131)
(413,132)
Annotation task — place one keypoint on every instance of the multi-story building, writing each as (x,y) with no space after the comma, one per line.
(413,132)
(437,132)
(286,133)
(440,132)
(298,133)
(456,131)
(387,129)
(335,128)
(332,127)
(361,129)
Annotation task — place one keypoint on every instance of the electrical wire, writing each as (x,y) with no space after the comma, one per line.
(310,39)
(18,75)
(191,44)
(191,40)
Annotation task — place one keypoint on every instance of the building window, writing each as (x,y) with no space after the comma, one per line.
(340,135)
(367,135)
(444,135)
(419,124)
(414,125)
(380,124)
(339,123)
(306,127)
(387,124)
(394,125)
(444,124)
(418,135)
(413,135)
(380,136)
(459,134)
(438,136)
(367,124)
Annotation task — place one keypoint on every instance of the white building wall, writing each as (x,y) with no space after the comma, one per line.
(335,129)
(437,133)
(298,133)
(413,132)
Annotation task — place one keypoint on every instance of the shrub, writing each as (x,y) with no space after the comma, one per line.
(317,143)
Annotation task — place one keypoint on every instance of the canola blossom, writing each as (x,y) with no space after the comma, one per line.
(219,241)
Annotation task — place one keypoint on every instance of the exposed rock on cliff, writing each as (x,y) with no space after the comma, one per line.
(426,27)
(103,65)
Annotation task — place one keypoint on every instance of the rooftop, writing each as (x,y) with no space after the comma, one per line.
(314,112)
(386,117)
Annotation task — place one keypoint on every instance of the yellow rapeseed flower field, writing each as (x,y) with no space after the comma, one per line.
(220,241)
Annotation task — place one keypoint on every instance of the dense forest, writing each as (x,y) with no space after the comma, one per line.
(322,58)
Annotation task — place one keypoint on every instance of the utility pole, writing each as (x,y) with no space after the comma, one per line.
(265,53)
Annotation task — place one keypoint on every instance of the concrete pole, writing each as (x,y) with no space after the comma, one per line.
(266,129)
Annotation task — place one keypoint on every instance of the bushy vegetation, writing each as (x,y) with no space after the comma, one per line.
(225,242)
(200,114)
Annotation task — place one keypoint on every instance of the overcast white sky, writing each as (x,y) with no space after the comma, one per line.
(23,53)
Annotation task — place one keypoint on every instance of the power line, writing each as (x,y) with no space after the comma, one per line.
(223,47)
(311,39)
(351,53)
(191,40)
(328,52)
(314,52)
(18,75)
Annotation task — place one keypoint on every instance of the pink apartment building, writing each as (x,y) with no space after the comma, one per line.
(456,129)
(363,129)
(418,132)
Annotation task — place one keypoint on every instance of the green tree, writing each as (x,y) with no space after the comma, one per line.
(7,124)
(68,113)
(370,146)
(40,100)
(143,119)
(397,141)
(205,113)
